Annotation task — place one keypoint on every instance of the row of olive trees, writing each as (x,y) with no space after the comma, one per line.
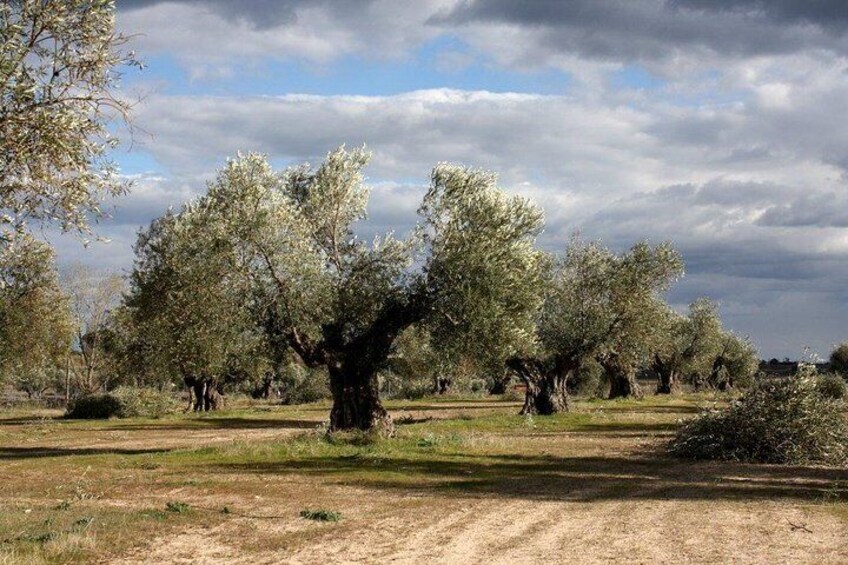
(606,309)
(266,266)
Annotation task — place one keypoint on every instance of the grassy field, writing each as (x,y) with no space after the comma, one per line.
(463,481)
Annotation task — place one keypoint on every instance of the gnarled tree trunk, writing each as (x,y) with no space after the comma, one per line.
(622,379)
(546,391)
(442,385)
(666,376)
(356,401)
(205,394)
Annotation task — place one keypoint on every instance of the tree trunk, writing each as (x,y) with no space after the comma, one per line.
(263,390)
(356,401)
(443,385)
(623,382)
(205,393)
(624,385)
(666,382)
(499,384)
(546,391)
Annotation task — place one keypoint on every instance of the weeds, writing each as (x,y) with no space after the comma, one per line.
(177,507)
(321,515)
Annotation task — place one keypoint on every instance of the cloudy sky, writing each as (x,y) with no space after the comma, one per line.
(717,124)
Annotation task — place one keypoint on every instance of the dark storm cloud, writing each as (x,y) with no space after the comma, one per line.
(825,210)
(261,14)
(828,14)
(643,30)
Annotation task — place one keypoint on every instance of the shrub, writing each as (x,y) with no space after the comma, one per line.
(839,359)
(123,402)
(831,386)
(312,388)
(321,515)
(144,402)
(177,507)
(778,421)
(94,407)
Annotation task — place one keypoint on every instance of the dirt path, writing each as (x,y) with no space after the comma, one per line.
(519,531)
(545,532)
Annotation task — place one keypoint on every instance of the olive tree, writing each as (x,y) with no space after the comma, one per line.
(59,71)
(597,305)
(35,322)
(184,308)
(734,364)
(686,345)
(470,272)
(839,359)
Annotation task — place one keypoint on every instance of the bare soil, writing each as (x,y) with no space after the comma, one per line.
(463,482)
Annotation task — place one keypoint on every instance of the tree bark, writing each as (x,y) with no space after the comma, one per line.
(666,382)
(353,363)
(356,401)
(623,382)
(443,385)
(499,384)
(666,376)
(547,391)
(205,394)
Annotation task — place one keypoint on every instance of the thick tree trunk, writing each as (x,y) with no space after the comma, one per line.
(442,385)
(356,402)
(546,391)
(666,382)
(204,392)
(623,382)
(624,385)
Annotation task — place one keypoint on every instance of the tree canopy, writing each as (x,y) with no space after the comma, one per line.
(35,319)
(59,71)
(276,253)
(597,304)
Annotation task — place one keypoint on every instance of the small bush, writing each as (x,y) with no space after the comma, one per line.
(832,386)
(177,507)
(321,515)
(123,402)
(144,402)
(94,407)
(778,421)
(312,388)
(414,389)
(512,395)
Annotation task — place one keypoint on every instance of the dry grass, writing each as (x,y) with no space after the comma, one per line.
(462,481)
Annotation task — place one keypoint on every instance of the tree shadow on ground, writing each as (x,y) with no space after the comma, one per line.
(198,424)
(644,408)
(604,430)
(10,453)
(30,420)
(579,479)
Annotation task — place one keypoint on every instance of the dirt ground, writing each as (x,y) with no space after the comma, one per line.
(463,482)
